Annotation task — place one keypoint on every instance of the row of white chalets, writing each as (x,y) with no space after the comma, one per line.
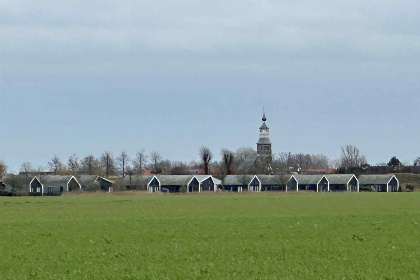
(288,183)
(57,184)
(316,183)
(183,183)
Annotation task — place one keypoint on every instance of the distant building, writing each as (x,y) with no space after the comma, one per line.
(264,151)
(53,185)
(380,183)
(316,183)
(343,182)
(5,189)
(184,183)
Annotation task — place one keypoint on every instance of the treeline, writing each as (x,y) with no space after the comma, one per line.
(239,161)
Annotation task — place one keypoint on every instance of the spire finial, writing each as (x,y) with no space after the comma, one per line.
(264,118)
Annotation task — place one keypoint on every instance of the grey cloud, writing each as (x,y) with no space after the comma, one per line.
(166,36)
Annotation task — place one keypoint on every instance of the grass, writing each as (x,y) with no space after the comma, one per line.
(208,236)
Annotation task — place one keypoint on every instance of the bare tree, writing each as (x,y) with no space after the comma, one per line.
(304,161)
(123,160)
(351,157)
(227,160)
(286,158)
(27,168)
(205,156)
(89,164)
(244,159)
(73,164)
(40,170)
(179,168)
(416,162)
(283,178)
(165,166)
(140,161)
(156,158)
(16,182)
(130,172)
(55,165)
(320,161)
(107,162)
(3,169)
(244,180)
(335,163)
(244,153)
(278,165)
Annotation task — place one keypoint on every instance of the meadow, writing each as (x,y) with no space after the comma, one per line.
(211,236)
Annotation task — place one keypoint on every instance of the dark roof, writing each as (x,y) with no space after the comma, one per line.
(201,178)
(109,180)
(87,180)
(216,181)
(138,180)
(55,180)
(175,180)
(264,126)
(339,179)
(9,177)
(264,140)
(237,180)
(274,179)
(308,179)
(183,180)
(375,179)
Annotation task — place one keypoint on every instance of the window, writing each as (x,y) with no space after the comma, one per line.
(38,189)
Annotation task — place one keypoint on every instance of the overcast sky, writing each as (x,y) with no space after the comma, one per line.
(84,77)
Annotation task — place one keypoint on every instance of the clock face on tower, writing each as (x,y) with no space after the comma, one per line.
(264,149)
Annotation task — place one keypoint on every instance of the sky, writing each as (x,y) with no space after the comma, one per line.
(84,77)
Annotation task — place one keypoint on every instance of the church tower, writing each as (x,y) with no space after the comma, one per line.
(264,154)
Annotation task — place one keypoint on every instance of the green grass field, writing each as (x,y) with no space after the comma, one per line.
(211,236)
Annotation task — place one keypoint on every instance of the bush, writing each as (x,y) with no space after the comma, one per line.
(23,192)
(410,188)
(365,189)
(5,193)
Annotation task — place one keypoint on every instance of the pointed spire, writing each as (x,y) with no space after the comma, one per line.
(264,118)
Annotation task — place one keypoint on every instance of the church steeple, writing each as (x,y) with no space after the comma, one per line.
(264,154)
(264,132)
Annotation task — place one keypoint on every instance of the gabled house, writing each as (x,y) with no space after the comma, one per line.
(316,183)
(36,187)
(239,183)
(53,185)
(153,185)
(135,182)
(292,184)
(274,182)
(5,189)
(104,184)
(178,183)
(66,183)
(208,182)
(87,182)
(343,182)
(380,183)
